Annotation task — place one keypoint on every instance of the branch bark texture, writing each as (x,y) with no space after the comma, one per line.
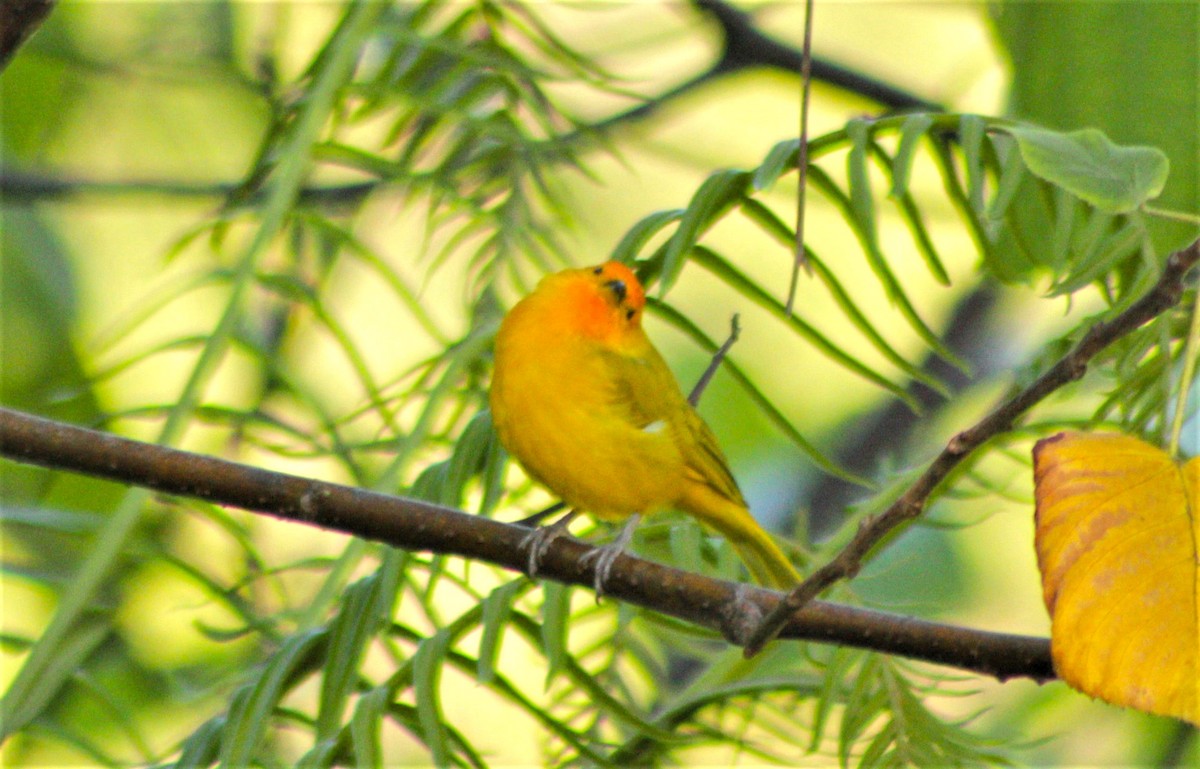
(729,608)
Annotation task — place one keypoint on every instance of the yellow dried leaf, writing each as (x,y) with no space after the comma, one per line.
(1116,540)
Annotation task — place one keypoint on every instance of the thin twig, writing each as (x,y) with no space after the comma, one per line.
(715,363)
(1072,366)
(726,607)
(800,261)
(1191,355)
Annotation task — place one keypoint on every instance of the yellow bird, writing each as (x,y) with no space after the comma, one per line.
(589,407)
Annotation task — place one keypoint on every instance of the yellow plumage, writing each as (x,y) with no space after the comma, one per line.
(589,407)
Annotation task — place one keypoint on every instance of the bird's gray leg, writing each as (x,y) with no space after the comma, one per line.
(606,555)
(538,540)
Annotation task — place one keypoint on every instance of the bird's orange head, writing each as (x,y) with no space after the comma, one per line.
(603,302)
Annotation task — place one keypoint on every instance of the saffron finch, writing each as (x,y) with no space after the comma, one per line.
(589,407)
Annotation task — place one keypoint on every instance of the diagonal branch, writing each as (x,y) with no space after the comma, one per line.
(18,20)
(746,46)
(1164,295)
(743,46)
(729,608)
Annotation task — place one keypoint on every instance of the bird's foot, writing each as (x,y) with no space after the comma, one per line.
(538,541)
(605,556)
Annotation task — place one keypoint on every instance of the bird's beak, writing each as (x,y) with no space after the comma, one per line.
(618,288)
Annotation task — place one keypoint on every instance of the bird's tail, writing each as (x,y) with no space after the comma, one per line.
(766,562)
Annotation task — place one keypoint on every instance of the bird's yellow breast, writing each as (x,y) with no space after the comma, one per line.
(558,407)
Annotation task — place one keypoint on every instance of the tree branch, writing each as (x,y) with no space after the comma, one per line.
(17,187)
(866,438)
(911,503)
(730,608)
(18,20)
(743,46)
(746,46)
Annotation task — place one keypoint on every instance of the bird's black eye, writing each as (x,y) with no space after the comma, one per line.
(598,270)
(629,314)
(618,288)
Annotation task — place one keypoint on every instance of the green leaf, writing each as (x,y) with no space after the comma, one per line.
(71,654)
(944,160)
(556,616)
(364,726)
(250,713)
(320,755)
(639,234)
(59,521)
(329,76)
(338,154)
(1113,248)
(911,213)
(431,482)
(470,451)
(921,236)
(761,401)
(364,608)
(1012,171)
(343,237)
(62,645)
(716,196)
(497,608)
(1088,239)
(1067,210)
(119,712)
(38,317)
(1090,166)
(862,706)
(971,130)
(767,219)
(836,668)
(201,747)
(732,277)
(427,671)
(879,265)
(495,462)
(862,202)
(780,159)
(879,746)
(914,129)
(1064,77)
(595,689)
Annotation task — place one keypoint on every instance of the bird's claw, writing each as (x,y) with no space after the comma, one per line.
(539,540)
(604,557)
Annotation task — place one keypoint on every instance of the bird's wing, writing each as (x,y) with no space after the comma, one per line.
(647,396)
(644,393)
(705,458)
